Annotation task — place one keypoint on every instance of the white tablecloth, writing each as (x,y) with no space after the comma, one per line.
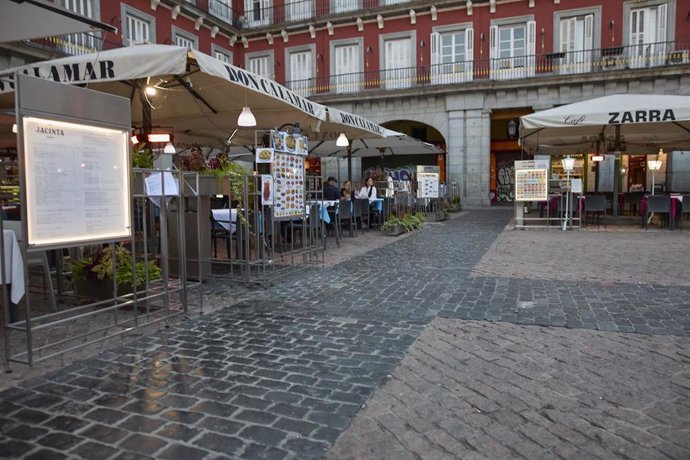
(14,265)
(226,218)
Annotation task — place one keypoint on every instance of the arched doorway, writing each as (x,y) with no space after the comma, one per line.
(400,164)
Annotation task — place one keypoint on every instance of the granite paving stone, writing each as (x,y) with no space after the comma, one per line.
(462,340)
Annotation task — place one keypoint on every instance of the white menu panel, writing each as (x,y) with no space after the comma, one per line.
(288,190)
(427,185)
(77,182)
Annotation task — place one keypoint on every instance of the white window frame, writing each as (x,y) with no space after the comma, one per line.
(301,87)
(265,11)
(85,42)
(215,49)
(650,53)
(578,61)
(126,12)
(184,36)
(452,72)
(344,82)
(513,67)
(221,9)
(270,60)
(399,78)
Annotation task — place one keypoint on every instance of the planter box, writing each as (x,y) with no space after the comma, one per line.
(99,289)
(395,231)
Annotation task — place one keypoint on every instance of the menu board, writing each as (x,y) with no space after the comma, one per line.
(77,182)
(289,142)
(288,185)
(427,185)
(531,184)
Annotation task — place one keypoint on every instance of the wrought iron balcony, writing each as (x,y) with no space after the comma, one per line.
(262,13)
(68,45)
(632,57)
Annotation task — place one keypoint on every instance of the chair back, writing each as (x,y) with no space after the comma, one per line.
(595,203)
(659,203)
(363,206)
(685,203)
(633,198)
(345,209)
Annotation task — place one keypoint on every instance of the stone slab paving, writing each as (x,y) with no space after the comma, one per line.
(283,371)
(471,389)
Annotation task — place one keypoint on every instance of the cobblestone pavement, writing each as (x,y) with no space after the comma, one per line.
(283,372)
(470,389)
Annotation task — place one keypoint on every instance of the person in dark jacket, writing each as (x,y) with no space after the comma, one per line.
(330,190)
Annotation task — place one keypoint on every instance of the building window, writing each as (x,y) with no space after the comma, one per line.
(300,70)
(648,28)
(343,6)
(299,10)
(260,64)
(397,66)
(256,13)
(86,42)
(221,54)
(185,39)
(221,9)
(138,27)
(576,34)
(346,66)
(512,48)
(452,55)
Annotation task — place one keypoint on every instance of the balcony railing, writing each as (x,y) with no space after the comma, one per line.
(262,13)
(651,55)
(69,45)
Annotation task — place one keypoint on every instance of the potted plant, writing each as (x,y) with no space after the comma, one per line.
(92,276)
(393,226)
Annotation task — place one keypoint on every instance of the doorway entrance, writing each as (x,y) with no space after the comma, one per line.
(637,172)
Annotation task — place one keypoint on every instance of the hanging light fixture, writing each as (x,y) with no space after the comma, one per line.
(512,128)
(342,141)
(169,148)
(246,118)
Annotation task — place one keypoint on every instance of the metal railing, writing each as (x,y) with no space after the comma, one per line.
(262,13)
(69,45)
(650,55)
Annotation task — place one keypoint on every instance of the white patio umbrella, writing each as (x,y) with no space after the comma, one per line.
(198,97)
(643,122)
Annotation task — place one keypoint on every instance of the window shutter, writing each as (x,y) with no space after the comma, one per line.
(661,19)
(531,37)
(589,31)
(493,42)
(565,35)
(469,44)
(435,48)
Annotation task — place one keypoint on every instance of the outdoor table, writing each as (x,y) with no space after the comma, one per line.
(227,218)
(14,272)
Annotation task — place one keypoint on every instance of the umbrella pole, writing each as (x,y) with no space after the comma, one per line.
(349,163)
(616,170)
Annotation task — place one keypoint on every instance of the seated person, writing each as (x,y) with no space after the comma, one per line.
(330,190)
(346,191)
(368,191)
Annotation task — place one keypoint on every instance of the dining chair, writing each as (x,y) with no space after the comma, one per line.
(218,232)
(659,204)
(362,209)
(632,201)
(596,205)
(346,214)
(684,208)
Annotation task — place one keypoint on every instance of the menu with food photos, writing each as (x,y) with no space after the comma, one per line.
(531,184)
(264,155)
(287,171)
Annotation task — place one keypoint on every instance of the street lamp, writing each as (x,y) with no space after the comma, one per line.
(568,163)
(654,166)
(512,128)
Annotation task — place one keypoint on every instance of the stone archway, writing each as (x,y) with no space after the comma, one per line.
(418,130)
